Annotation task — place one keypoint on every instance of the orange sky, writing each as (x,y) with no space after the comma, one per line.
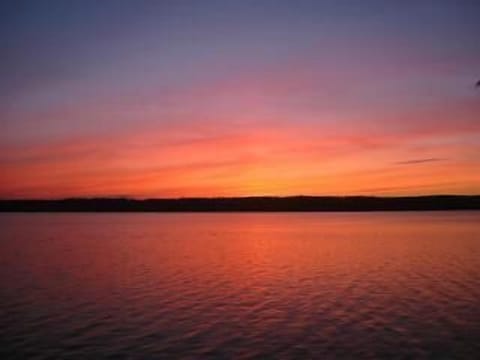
(284,159)
(210,104)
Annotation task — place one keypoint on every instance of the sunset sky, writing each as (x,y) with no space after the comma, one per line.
(234,98)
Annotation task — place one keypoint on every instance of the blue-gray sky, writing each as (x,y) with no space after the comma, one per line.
(174,98)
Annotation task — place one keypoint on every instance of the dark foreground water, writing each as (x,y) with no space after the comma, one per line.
(257,285)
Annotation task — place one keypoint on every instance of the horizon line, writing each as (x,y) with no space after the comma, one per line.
(132,198)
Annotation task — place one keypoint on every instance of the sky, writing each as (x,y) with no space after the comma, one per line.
(238,98)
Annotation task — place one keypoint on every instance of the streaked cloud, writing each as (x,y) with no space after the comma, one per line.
(419,161)
(237,98)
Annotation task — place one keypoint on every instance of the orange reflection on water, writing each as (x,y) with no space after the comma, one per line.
(247,281)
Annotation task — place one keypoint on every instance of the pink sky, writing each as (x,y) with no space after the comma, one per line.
(225,102)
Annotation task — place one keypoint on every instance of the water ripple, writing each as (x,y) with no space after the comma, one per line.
(242,286)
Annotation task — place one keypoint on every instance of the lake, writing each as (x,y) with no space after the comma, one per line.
(240,285)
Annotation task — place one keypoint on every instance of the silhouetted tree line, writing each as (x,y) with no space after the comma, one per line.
(262,203)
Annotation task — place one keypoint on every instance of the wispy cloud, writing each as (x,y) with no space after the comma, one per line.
(419,161)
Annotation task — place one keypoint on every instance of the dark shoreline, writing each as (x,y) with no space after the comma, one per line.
(256,203)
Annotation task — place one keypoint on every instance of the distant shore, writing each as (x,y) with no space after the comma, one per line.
(256,203)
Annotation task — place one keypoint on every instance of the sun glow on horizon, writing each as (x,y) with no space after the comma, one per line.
(239,100)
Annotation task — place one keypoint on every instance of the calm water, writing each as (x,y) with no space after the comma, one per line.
(257,285)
